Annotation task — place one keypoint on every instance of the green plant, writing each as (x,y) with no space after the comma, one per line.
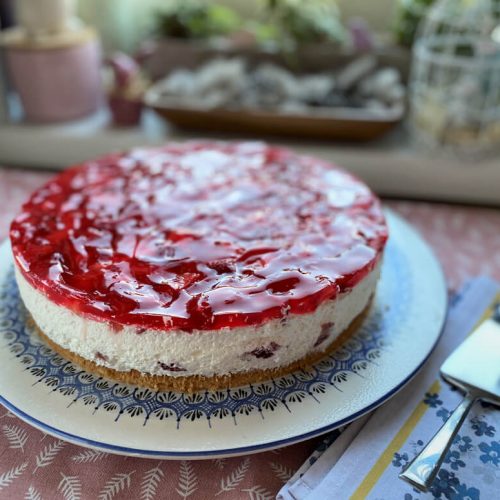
(196,19)
(264,32)
(409,15)
(301,22)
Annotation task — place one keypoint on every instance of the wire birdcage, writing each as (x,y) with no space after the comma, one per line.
(455,79)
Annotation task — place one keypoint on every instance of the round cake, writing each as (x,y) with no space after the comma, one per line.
(200,265)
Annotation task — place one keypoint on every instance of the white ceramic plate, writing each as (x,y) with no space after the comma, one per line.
(395,340)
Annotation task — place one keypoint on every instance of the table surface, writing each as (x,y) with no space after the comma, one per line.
(33,465)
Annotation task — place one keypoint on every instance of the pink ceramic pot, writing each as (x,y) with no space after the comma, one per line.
(57,84)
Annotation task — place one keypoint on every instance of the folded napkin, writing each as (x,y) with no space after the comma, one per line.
(364,459)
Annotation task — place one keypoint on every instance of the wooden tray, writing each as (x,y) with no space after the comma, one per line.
(342,124)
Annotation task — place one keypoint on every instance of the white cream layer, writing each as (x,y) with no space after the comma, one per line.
(207,352)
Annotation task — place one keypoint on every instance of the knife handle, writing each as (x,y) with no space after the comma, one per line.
(422,470)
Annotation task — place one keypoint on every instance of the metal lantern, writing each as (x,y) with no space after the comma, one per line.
(455,79)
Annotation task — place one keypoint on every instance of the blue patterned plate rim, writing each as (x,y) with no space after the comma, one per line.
(120,450)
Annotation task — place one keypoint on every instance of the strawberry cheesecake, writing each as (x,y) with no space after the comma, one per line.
(200,265)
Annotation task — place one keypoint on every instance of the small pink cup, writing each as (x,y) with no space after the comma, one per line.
(125,112)
(57,83)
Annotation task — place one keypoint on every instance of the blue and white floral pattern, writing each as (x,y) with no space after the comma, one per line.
(476,447)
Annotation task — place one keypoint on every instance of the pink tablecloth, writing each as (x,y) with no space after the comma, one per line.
(34,466)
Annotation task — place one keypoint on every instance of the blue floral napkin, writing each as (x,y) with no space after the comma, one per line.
(364,459)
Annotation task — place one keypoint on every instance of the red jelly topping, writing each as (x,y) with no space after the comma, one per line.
(198,236)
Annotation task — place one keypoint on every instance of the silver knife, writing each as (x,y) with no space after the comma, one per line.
(474,367)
